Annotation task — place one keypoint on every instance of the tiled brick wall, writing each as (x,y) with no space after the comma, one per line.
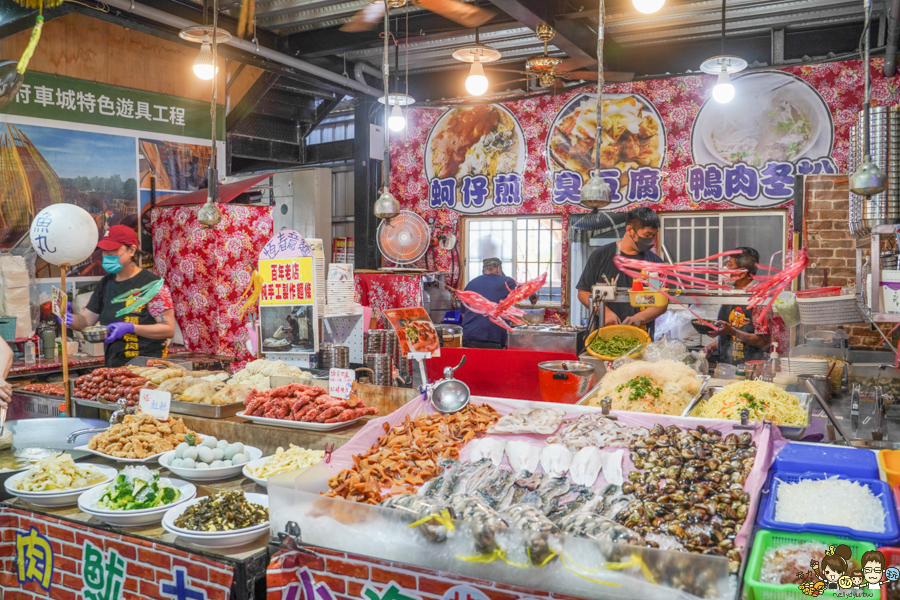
(346,575)
(832,247)
(146,563)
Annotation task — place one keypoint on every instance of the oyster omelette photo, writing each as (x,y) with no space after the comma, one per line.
(633,135)
(477,140)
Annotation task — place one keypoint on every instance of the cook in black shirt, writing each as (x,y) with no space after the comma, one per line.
(641,227)
(141,332)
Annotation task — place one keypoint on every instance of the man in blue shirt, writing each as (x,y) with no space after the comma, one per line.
(478,330)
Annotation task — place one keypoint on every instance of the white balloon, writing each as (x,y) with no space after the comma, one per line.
(64,234)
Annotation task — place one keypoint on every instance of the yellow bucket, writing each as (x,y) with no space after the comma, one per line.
(647,298)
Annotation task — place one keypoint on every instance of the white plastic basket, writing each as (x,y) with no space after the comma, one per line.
(834,310)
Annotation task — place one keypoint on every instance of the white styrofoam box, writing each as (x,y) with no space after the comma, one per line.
(890,299)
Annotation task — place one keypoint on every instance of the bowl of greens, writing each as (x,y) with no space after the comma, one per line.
(138,496)
(616,341)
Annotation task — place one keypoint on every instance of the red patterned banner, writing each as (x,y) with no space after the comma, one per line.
(666,144)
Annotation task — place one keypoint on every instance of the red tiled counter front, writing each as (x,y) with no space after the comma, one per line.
(318,574)
(94,564)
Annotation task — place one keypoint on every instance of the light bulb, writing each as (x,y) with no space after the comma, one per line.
(648,6)
(724,90)
(476,82)
(203,64)
(396,121)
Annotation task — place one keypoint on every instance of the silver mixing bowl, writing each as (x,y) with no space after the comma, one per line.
(95,334)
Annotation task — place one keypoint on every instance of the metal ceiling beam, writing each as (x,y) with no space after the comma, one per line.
(572,37)
(175,22)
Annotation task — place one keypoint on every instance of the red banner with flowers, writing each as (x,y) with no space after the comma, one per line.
(666,144)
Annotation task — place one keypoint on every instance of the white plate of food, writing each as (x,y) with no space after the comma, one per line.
(131,461)
(775,116)
(283,461)
(99,501)
(298,424)
(633,134)
(210,472)
(58,481)
(217,539)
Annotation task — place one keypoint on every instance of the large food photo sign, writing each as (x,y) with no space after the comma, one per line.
(665,143)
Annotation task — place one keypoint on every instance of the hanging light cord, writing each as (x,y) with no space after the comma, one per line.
(723,27)
(386,166)
(211,185)
(868,85)
(598,142)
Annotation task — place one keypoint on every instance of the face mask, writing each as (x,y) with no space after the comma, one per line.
(643,244)
(111,264)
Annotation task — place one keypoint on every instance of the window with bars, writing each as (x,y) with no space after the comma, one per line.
(704,234)
(527,246)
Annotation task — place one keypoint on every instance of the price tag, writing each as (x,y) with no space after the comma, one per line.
(156,403)
(340,383)
(59,303)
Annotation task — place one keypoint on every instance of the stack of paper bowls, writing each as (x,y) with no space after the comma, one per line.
(340,289)
(318,249)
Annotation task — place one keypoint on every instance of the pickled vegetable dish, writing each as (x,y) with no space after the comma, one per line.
(226,511)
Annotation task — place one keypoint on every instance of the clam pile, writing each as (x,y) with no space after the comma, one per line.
(689,491)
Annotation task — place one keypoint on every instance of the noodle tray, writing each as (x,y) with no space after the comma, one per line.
(790,432)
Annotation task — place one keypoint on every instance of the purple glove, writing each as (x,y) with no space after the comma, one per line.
(68,315)
(114,331)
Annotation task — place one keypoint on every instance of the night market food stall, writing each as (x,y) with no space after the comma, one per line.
(338,432)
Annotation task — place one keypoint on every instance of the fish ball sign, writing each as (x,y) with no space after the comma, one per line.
(64,234)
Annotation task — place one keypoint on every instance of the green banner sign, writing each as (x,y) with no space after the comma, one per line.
(61,98)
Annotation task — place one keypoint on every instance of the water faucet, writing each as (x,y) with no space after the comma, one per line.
(114,419)
(878,431)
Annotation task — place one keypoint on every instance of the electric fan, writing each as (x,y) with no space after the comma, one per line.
(404,239)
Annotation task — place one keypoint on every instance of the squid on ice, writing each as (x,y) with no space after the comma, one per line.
(506,308)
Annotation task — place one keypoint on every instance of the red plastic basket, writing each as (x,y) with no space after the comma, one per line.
(891,559)
(825,292)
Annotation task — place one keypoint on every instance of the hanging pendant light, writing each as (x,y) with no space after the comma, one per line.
(595,193)
(723,66)
(477,82)
(204,67)
(868,179)
(648,7)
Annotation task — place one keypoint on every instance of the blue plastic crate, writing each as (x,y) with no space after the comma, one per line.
(836,460)
(766,516)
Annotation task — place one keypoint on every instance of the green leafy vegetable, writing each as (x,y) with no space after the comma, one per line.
(614,346)
(137,488)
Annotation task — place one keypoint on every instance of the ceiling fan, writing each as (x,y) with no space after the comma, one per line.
(466,15)
(550,71)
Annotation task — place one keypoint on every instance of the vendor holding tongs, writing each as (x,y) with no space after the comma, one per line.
(134,304)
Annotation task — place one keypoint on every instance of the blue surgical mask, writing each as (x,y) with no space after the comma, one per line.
(111,264)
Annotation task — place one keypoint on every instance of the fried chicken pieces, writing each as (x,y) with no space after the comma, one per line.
(407,455)
(140,436)
(306,403)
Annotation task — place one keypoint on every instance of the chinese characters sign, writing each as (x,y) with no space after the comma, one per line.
(34,558)
(60,98)
(286,281)
(474,159)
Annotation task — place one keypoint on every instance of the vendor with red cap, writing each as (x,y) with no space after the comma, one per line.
(141,331)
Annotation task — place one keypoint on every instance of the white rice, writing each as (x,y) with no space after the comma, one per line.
(832,501)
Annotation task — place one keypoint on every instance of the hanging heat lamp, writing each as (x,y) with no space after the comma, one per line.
(595,193)
(209,214)
(868,179)
(723,66)
(386,206)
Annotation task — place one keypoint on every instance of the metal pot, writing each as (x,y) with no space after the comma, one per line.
(95,334)
(450,336)
(533,316)
(564,381)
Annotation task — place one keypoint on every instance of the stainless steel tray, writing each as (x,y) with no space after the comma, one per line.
(192,409)
(791,433)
